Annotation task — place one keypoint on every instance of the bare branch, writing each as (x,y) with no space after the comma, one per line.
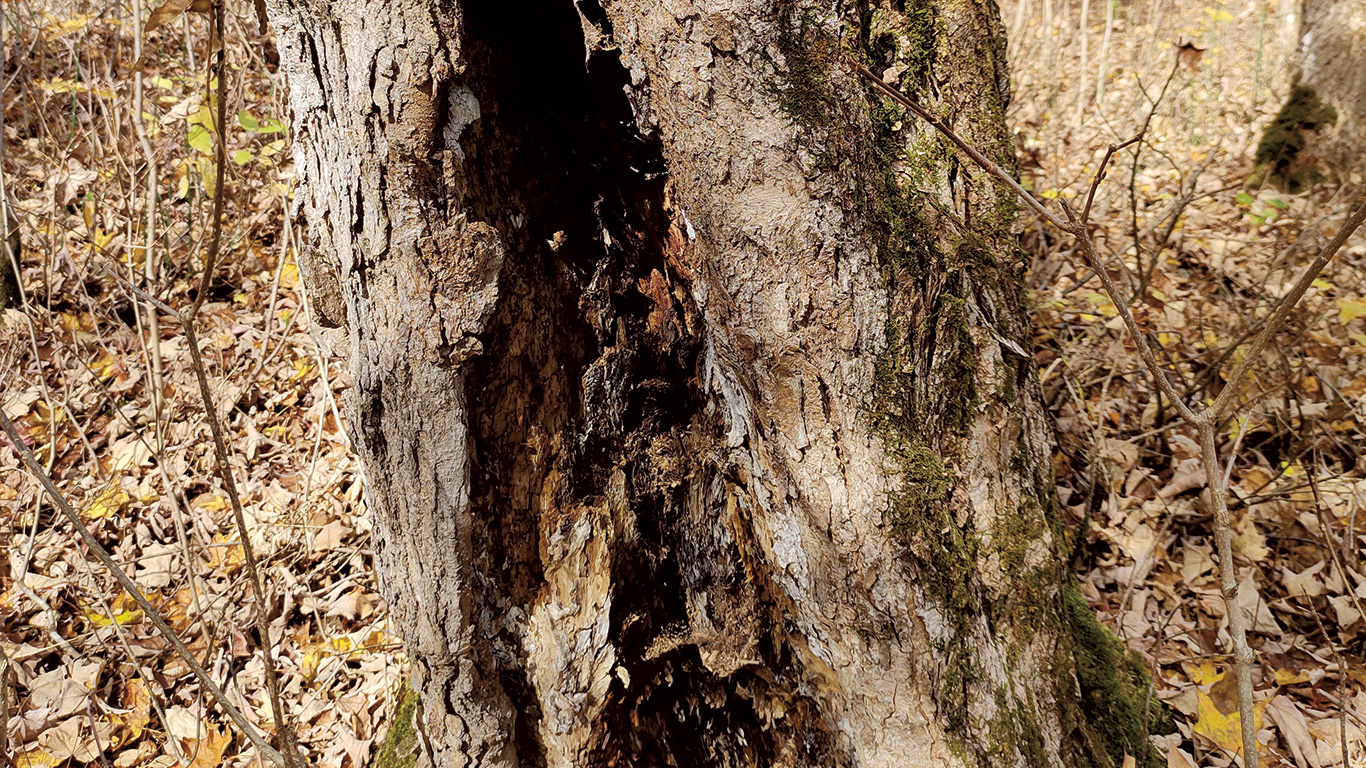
(101,554)
(288,741)
(1145,350)
(1278,317)
(1100,175)
(1228,586)
(141,294)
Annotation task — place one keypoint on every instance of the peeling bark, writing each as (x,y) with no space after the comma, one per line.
(691,384)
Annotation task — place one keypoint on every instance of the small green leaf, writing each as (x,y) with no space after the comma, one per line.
(266,125)
(1276,202)
(200,138)
(242,156)
(1244,198)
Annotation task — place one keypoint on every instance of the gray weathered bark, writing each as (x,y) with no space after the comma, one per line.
(692,384)
(1331,59)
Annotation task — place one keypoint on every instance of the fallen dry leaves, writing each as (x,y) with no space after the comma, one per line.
(1213,255)
(112,411)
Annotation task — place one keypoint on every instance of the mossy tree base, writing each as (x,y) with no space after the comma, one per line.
(401,747)
(1282,157)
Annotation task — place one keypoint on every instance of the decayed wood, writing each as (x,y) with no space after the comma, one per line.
(616,306)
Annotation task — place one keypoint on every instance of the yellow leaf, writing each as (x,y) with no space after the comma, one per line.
(123,619)
(34,758)
(225,555)
(182,181)
(102,240)
(309,665)
(67,26)
(1223,729)
(1350,309)
(211,502)
(301,369)
(109,502)
(289,276)
(1287,677)
(208,751)
(1206,674)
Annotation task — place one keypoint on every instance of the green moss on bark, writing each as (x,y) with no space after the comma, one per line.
(400,747)
(1014,730)
(926,392)
(802,83)
(1113,720)
(1279,155)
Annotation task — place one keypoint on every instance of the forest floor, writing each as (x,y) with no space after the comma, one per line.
(1205,251)
(117,419)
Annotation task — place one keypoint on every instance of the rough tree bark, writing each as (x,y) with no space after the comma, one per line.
(9,260)
(692,384)
(1331,60)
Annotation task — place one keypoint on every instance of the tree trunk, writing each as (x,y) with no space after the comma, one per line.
(1331,60)
(692,386)
(9,259)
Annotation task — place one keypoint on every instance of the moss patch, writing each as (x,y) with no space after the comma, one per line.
(1013,729)
(802,85)
(400,747)
(1114,687)
(1280,158)
(927,392)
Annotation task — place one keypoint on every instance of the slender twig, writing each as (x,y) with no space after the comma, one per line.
(1282,313)
(1100,175)
(1228,585)
(1145,351)
(31,463)
(977,157)
(1342,678)
(1071,226)
(1328,544)
(4,700)
(1133,168)
(262,620)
